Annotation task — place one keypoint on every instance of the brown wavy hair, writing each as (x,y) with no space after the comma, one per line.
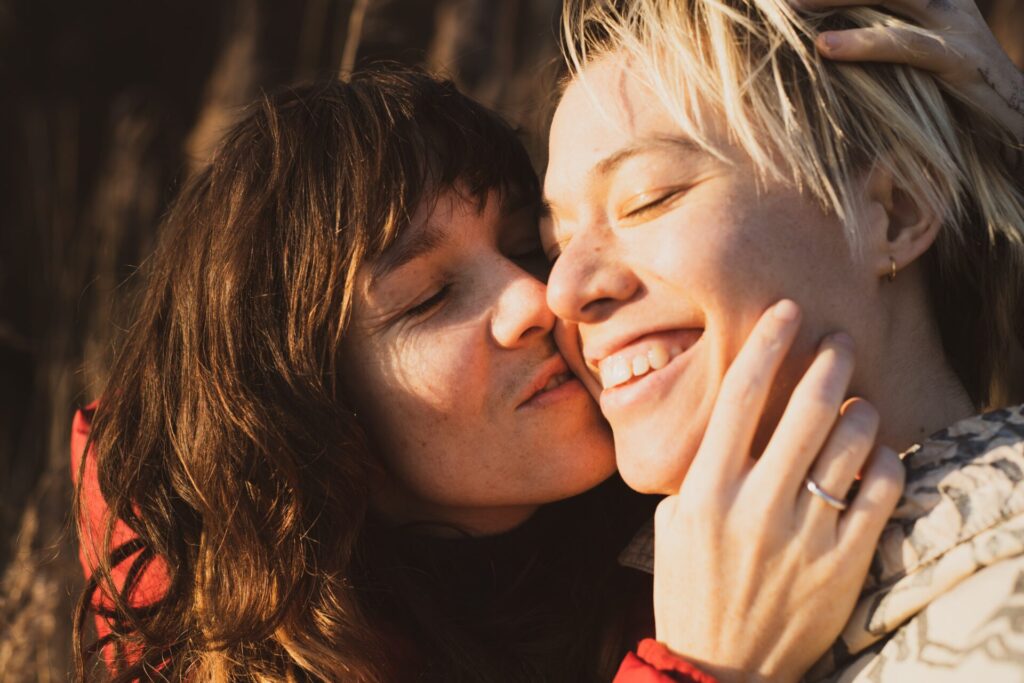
(224,439)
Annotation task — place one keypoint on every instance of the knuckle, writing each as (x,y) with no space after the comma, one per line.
(848,458)
(918,42)
(743,386)
(867,40)
(823,392)
(888,473)
(759,509)
(766,516)
(770,337)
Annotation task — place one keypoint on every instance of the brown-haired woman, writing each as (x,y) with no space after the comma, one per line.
(327,434)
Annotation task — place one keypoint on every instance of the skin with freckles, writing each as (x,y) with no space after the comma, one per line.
(656,242)
(449,351)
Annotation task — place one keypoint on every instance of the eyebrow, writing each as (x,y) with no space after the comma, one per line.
(419,243)
(615,159)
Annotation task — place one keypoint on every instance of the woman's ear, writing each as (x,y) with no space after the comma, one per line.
(901,226)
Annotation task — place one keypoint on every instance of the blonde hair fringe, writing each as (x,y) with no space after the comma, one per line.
(819,124)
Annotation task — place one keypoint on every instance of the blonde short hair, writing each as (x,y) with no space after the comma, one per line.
(819,124)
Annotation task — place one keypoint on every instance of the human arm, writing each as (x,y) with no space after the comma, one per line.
(953,41)
(654,662)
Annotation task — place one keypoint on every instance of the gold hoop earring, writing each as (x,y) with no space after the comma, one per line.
(892,270)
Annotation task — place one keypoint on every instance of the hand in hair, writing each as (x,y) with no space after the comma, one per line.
(947,37)
(754,575)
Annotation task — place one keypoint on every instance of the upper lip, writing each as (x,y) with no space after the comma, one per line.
(596,351)
(552,367)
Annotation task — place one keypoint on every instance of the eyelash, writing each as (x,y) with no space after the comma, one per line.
(429,304)
(652,205)
(535,252)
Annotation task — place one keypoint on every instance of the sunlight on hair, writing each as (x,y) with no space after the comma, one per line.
(750,68)
(799,118)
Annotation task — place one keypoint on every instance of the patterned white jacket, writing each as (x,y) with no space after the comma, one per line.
(944,600)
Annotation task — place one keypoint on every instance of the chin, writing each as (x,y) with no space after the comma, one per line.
(646,469)
(601,465)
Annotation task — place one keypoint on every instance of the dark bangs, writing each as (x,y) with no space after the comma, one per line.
(435,139)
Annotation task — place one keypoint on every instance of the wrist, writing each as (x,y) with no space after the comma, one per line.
(711,665)
(663,658)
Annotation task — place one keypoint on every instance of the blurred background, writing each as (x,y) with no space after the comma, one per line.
(104,107)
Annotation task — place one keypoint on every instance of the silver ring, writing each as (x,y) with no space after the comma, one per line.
(813,487)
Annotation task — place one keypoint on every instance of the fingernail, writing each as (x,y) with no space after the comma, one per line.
(786,310)
(831,41)
(842,339)
(847,403)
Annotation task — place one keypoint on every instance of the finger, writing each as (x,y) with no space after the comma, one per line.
(807,420)
(881,487)
(894,45)
(725,449)
(842,458)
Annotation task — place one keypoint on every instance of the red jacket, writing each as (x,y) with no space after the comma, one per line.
(651,662)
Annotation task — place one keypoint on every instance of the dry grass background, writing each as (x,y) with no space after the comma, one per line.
(104,107)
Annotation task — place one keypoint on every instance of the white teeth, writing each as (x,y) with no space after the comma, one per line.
(618,370)
(556,381)
(658,357)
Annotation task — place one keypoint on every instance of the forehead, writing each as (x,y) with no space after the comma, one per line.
(603,111)
(454,217)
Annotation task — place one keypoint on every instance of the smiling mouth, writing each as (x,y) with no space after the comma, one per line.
(645,358)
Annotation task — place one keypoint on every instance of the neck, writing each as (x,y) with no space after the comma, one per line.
(397,506)
(913,385)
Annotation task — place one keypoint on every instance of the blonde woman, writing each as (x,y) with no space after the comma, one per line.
(704,162)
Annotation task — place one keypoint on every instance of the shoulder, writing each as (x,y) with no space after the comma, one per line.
(959,526)
(972,632)
(962,482)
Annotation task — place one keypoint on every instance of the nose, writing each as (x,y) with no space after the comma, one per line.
(589,279)
(521,313)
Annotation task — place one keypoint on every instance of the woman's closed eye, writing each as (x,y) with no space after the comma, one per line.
(533,260)
(647,204)
(528,253)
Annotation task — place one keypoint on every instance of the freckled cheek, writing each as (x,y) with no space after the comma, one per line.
(694,258)
(712,262)
(448,378)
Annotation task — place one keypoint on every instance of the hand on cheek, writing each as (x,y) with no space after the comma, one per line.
(755,574)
